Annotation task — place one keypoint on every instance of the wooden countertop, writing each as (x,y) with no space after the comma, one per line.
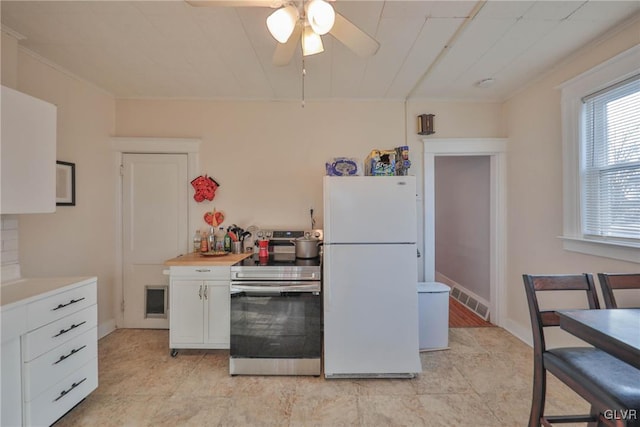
(197,259)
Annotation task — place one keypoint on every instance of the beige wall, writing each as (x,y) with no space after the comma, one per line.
(535,180)
(75,240)
(268,157)
(9,48)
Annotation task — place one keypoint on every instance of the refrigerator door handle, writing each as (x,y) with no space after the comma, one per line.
(326,274)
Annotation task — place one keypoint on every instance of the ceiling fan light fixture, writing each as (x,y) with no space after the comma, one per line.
(311,42)
(321,16)
(282,22)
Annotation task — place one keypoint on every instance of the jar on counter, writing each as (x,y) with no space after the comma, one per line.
(204,243)
(197,240)
(219,240)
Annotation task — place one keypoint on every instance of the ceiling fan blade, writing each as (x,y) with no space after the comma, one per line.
(353,37)
(235,3)
(284,51)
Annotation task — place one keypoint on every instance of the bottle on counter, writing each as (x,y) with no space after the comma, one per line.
(219,239)
(227,242)
(197,239)
(211,239)
(204,243)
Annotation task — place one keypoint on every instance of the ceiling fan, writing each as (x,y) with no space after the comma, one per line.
(304,22)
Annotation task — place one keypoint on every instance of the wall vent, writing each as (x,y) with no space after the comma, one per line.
(470,302)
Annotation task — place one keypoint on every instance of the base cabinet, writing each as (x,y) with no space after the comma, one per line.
(50,351)
(199,308)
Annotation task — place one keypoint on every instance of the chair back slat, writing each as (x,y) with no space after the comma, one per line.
(560,282)
(611,281)
(549,318)
(621,281)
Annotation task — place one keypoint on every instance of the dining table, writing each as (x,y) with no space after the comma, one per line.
(615,331)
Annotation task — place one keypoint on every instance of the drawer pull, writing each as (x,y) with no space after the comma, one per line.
(203,270)
(63,357)
(73,326)
(63,393)
(73,301)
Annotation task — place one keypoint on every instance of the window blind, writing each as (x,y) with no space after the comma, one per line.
(610,172)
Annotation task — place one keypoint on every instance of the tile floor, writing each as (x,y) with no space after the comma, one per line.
(482,380)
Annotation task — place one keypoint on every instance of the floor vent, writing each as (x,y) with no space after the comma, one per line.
(470,302)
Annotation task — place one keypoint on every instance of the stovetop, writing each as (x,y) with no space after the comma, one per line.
(278,260)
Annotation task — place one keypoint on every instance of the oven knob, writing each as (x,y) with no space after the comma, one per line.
(260,234)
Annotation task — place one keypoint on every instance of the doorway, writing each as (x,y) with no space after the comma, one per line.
(494,150)
(155,215)
(462,196)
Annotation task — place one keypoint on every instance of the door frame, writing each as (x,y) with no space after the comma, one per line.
(146,145)
(496,149)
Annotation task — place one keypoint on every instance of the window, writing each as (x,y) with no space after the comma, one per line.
(601,158)
(610,175)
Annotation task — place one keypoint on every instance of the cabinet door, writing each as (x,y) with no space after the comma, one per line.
(218,310)
(28,154)
(186,318)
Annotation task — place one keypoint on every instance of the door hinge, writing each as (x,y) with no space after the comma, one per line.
(121,170)
(122,306)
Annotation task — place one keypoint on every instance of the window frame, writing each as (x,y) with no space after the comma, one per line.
(616,69)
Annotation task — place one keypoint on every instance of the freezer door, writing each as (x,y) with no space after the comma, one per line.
(370,209)
(370,310)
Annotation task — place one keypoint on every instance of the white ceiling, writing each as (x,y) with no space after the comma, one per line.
(171,49)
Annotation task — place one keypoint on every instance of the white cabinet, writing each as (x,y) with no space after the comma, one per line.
(13,323)
(199,308)
(28,154)
(49,348)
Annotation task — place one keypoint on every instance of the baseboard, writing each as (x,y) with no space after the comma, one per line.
(470,300)
(519,331)
(105,328)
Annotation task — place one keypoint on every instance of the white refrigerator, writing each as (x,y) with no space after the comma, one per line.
(370,277)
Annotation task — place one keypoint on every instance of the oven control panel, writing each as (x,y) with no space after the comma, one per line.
(287,235)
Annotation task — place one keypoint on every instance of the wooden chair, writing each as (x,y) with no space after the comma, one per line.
(607,383)
(611,281)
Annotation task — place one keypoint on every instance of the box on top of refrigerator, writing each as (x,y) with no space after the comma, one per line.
(380,163)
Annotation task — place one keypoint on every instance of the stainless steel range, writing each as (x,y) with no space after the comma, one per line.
(276,311)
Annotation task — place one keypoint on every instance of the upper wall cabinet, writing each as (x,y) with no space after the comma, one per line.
(28,152)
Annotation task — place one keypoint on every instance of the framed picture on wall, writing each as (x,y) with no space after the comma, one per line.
(65,184)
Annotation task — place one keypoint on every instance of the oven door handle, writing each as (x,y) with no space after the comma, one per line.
(274,289)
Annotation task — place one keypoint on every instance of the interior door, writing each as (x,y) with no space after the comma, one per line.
(155,228)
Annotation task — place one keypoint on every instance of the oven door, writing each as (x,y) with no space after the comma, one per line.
(276,320)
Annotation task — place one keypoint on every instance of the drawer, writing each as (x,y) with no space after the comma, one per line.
(59,332)
(55,365)
(202,272)
(57,400)
(57,306)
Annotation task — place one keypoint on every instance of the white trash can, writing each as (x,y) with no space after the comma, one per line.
(433,315)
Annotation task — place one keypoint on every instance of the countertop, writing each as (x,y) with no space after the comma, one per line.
(23,290)
(197,259)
